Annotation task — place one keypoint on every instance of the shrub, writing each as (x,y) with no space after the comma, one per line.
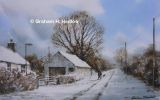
(11,81)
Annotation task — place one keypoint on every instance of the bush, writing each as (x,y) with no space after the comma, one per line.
(15,81)
(65,79)
(5,81)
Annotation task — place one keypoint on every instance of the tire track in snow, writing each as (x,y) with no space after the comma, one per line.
(75,96)
(103,88)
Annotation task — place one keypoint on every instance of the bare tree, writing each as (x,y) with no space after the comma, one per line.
(35,63)
(120,55)
(83,39)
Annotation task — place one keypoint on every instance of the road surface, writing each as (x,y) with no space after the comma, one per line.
(123,87)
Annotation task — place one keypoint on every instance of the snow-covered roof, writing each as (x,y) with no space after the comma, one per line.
(75,60)
(7,55)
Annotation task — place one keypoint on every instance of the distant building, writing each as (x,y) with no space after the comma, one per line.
(11,60)
(63,63)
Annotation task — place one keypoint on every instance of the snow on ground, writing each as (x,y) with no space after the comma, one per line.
(93,93)
(115,85)
(54,92)
(123,87)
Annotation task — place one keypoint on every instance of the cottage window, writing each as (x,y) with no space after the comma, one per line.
(71,69)
(9,66)
(22,68)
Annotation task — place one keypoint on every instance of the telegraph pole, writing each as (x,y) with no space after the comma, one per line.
(121,60)
(125,56)
(49,56)
(49,60)
(154,54)
(26,44)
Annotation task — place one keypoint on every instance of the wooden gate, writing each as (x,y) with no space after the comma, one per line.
(47,81)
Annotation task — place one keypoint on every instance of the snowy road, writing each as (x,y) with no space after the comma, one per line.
(123,87)
(115,85)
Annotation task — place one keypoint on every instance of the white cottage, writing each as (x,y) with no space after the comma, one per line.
(12,60)
(63,63)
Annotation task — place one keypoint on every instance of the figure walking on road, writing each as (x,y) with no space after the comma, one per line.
(99,75)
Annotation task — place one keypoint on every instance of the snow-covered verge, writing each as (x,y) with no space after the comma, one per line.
(55,92)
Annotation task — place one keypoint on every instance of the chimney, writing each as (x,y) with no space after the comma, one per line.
(11,45)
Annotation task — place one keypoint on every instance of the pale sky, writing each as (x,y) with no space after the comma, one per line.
(129,20)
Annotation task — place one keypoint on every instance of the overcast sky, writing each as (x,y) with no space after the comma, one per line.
(129,20)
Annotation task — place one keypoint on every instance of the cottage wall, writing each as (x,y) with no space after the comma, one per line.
(2,64)
(82,71)
(13,66)
(59,61)
(16,67)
